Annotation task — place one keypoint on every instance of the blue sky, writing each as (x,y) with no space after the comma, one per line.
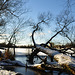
(40,6)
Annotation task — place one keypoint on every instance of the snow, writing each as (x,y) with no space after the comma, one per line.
(9,62)
(42,54)
(72,64)
(65,59)
(70,51)
(5,72)
(47,51)
(4,64)
(37,64)
(34,65)
(62,59)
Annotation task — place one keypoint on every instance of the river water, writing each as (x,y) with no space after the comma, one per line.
(22,55)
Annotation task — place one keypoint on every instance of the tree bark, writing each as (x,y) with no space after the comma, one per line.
(34,53)
(63,60)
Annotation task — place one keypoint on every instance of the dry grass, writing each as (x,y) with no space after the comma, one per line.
(9,55)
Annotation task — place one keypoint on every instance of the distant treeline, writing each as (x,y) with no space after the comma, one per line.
(12,46)
(68,45)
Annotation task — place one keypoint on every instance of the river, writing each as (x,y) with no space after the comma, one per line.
(22,55)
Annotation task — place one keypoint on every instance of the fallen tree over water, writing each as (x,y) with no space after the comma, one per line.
(62,59)
(63,62)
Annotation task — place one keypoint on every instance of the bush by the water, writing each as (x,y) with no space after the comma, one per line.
(8,55)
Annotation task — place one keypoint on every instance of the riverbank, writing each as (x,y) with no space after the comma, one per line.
(29,71)
(21,55)
(5,72)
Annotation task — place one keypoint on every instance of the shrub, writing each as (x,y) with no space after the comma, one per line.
(9,55)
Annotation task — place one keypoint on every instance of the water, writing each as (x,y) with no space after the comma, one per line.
(21,55)
(27,71)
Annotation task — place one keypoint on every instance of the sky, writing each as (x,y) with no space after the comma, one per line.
(55,7)
(39,6)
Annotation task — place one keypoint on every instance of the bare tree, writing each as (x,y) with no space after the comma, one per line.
(70,5)
(8,10)
(69,19)
(14,33)
(44,19)
(63,21)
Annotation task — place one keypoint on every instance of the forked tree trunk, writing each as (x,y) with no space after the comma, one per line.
(31,57)
(34,53)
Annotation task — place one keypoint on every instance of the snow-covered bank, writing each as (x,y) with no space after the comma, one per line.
(5,72)
(11,63)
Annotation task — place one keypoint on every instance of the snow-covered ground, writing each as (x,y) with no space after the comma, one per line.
(5,72)
(9,63)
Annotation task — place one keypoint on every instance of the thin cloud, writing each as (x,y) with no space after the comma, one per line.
(37,34)
(49,31)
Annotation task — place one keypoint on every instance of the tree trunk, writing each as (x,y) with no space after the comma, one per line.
(32,55)
(14,49)
(63,60)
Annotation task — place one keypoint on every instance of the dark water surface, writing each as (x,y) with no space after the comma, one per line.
(28,71)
